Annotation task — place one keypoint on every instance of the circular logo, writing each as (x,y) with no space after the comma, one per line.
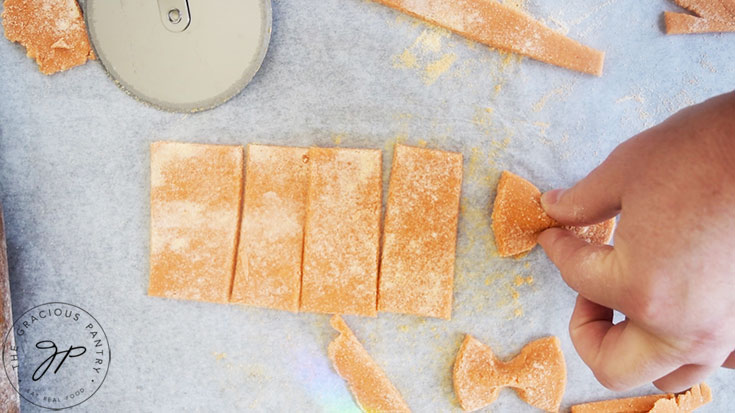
(60,355)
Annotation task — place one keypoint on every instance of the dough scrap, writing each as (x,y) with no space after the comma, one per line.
(688,401)
(538,374)
(268,268)
(692,399)
(518,218)
(195,212)
(52,31)
(368,383)
(504,27)
(708,16)
(420,232)
(342,231)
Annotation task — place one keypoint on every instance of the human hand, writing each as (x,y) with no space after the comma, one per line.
(671,270)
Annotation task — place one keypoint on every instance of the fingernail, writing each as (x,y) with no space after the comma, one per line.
(552,197)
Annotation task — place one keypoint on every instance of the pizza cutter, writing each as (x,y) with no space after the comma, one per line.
(180,55)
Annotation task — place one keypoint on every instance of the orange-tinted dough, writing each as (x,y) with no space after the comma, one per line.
(687,401)
(708,16)
(342,231)
(655,403)
(367,381)
(195,212)
(52,31)
(518,218)
(268,270)
(538,374)
(504,27)
(420,232)
(640,404)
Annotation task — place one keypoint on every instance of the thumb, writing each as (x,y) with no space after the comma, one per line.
(594,199)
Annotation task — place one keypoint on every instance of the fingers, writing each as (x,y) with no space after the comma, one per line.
(591,270)
(730,362)
(684,377)
(594,199)
(621,356)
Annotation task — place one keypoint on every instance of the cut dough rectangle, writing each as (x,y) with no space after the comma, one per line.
(420,232)
(268,270)
(504,27)
(342,231)
(196,192)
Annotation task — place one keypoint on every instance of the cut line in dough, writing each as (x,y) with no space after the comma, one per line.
(707,16)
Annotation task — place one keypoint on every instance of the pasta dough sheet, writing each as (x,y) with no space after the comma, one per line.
(195,212)
(420,232)
(268,270)
(342,231)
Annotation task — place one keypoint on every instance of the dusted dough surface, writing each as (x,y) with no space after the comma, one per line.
(688,401)
(420,232)
(685,402)
(342,231)
(504,27)
(518,218)
(52,31)
(708,16)
(195,211)
(268,270)
(538,374)
(368,383)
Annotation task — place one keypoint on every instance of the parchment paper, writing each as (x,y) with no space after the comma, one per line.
(74,180)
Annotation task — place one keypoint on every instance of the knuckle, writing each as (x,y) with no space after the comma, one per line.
(610,381)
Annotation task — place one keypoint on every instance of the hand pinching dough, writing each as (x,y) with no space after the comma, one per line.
(538,374)
(518,218)
(368,383)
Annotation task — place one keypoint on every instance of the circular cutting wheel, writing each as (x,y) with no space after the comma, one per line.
(180,55)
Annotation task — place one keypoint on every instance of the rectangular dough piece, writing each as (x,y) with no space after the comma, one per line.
(504,27)
(342,231)
(196,192)
(420,232)
(268,269)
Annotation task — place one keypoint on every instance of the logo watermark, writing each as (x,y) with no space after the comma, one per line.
(61,355)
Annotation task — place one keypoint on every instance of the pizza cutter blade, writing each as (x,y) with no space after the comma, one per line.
(180,55)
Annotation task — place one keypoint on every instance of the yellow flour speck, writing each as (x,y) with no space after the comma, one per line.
(406,60)
(438,68)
